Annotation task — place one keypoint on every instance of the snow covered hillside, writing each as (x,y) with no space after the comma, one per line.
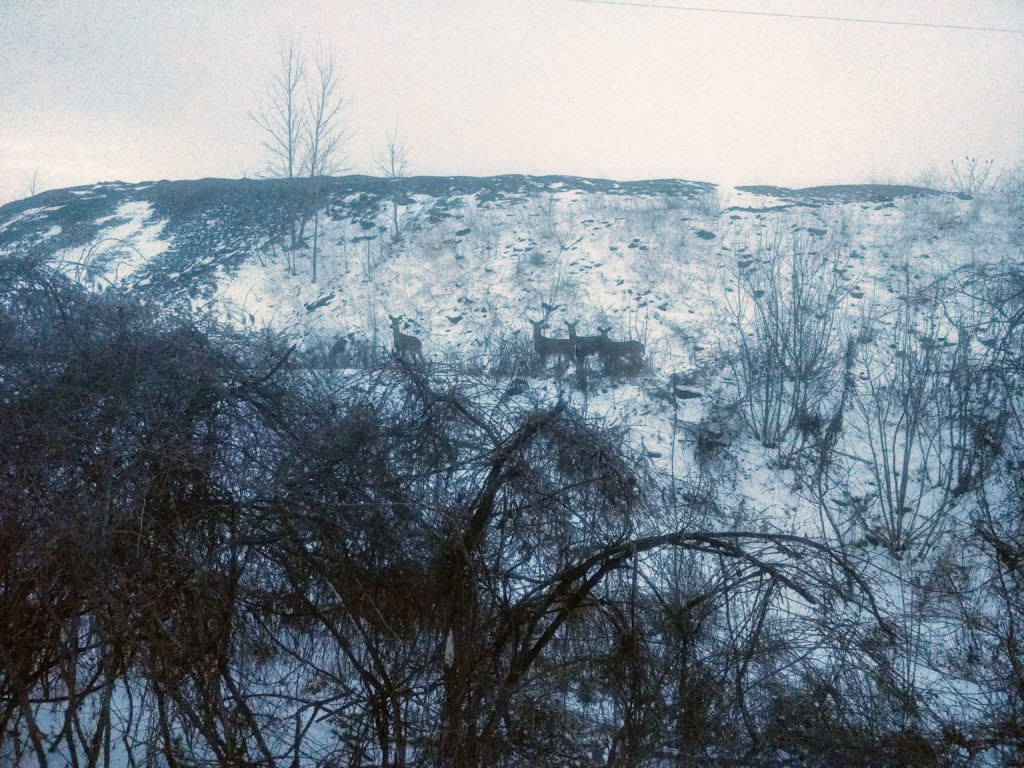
(654,261)
(650,259)
(663,262)
(837,367)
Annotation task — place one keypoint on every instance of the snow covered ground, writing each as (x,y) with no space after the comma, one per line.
(655,261)
(664,263)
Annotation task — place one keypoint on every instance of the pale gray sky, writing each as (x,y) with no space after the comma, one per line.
(96,90)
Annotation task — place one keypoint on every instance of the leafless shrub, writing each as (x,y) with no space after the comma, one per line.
(969,177)
(787,329)
(510,355)
(925,409)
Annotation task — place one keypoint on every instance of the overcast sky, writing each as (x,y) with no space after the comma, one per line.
(96,90)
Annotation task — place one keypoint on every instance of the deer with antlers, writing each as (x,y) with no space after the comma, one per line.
(405,344)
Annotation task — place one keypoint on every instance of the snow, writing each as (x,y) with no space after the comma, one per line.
(28,215)
(129,240)
(466,282)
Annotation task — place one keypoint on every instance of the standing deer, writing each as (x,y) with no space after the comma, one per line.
(585,345)
(612,351)
(548,346)
(404,343)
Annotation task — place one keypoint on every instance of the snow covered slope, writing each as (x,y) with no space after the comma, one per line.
(652,260)
(666,262)
(648,258)
(655,260)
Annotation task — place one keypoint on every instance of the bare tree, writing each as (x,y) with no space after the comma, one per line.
(326,135)
(282,118)
(300,114)
(301,118)
(32,183)
(281,114)
(392,161)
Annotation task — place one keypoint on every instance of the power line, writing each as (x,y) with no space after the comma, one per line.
(850,19)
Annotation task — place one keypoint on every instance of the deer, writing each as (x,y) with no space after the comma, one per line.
(405,344)
(337,351)
(546,346)
(611,351)
(585,345)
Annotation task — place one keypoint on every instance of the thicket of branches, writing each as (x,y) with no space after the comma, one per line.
(903,429)
(211,554)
